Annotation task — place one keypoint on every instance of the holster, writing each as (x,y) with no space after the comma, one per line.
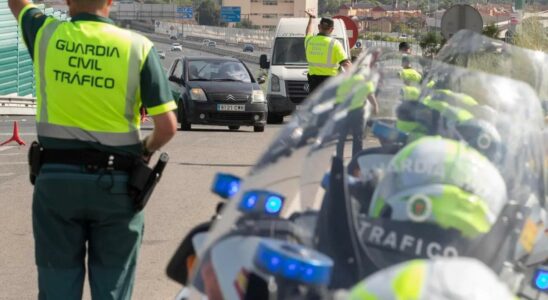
(35,160)
(143,180)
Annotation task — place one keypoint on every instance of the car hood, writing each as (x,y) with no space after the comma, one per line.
(223,87)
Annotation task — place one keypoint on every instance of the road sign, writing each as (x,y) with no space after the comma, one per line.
(231,14)
(460,16)
(185,12)
(358,44)
(351,29)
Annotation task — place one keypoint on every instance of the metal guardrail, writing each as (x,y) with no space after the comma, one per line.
(14,105)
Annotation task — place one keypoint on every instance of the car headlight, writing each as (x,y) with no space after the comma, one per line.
(257,97)
(197,94)
(275,83)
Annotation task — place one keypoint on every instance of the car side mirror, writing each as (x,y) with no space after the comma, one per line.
(261,79)
(263,62)
(176,79)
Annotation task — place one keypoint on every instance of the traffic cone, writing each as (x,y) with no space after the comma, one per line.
(15,137)
(144,117)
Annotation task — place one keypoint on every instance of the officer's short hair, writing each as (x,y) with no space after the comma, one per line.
(404,46)
(327,23)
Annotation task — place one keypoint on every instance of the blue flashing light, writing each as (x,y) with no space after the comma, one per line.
(226,185)
(249,201)
(541,280)
(273,204)
(293,262)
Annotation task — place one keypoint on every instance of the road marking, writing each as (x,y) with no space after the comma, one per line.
(11,134)
(13,154)
(6,174)
(14,163)
(4,148)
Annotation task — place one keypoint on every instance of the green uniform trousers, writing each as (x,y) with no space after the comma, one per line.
(74,212)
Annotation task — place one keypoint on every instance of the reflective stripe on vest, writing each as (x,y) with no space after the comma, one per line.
(82,93)
(321,63)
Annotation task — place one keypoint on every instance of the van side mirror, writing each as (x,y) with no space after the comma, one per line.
(263,62)
(176,79)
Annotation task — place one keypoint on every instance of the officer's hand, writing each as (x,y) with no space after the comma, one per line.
(147,154)
(310,14)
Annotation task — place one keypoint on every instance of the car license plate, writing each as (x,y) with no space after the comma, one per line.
(229,107)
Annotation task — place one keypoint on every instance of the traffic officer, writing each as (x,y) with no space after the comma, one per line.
(441,278)
(358,88)
(324,54)
(411,79)
(92,78)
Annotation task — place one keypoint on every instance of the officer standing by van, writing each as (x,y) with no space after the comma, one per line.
(324,53)
(92,78)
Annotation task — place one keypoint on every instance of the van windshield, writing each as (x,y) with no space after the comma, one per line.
(290,51)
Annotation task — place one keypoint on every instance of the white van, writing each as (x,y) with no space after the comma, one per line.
(287,68)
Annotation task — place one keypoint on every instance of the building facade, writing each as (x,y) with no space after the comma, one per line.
(266,13)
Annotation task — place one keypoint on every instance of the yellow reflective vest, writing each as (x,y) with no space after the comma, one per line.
(356,87)
(323,54)
(88,78)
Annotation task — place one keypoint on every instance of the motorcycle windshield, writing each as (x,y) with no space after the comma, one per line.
(452,166)
(475,51)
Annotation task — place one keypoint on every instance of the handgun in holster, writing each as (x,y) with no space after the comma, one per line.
(143,180)
(35,160)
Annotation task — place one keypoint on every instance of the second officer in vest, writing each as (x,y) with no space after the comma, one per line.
(324,54)
(91,79)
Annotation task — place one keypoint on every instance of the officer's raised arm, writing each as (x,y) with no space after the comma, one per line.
(309,28)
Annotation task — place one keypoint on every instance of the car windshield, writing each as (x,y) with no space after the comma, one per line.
(176,44)
(217,70)
(461,182)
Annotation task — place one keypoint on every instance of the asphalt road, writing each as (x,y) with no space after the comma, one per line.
(181,200)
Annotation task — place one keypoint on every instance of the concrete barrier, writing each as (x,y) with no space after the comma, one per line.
(17,106)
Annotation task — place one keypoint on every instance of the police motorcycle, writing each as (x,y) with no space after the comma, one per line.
(291,232)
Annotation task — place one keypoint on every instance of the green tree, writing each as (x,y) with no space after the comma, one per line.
(491,31)
(246,23)
(328,7)
(208,13)
(431,43)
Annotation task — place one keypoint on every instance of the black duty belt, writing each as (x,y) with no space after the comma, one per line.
(91,159)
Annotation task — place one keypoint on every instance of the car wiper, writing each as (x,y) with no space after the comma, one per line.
(227,79)
(199,79)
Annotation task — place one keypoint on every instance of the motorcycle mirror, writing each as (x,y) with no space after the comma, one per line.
(225,185)
(182,262)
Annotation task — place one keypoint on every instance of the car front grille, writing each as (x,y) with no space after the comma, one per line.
(296,90)
(229,98)
(231,116)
